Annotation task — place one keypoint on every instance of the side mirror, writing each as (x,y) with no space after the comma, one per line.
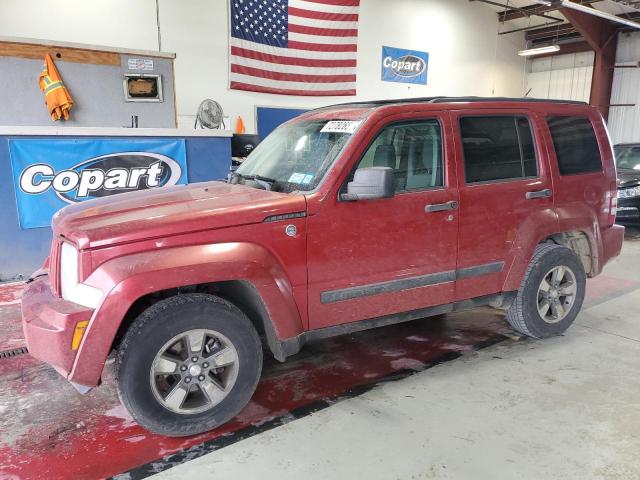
(370,184)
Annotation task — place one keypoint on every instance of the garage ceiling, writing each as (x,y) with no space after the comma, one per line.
(545,24)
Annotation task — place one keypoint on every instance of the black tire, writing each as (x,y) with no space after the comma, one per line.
(523,315)
(149,334)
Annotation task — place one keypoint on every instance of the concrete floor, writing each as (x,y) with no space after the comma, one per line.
(566,408)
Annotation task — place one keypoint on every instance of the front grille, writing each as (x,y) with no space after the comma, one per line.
(624,212)
(54,266)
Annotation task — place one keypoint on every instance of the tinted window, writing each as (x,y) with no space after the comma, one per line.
(628,157)
(576,145)
(497,148)
(413,150)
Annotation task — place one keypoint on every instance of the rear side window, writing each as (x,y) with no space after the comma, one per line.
(497,148)
(576,145)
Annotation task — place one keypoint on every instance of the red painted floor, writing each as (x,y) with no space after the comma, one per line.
(48,431)
(10,328)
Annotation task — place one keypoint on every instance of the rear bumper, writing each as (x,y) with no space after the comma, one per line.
(48,323)
(612,240)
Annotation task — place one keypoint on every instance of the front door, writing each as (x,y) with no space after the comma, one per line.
(369,259)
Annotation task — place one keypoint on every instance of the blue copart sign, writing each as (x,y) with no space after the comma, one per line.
(50,174)
(404,66)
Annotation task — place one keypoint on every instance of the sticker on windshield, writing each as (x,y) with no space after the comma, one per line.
(296,178)
(307,179)
(340,126)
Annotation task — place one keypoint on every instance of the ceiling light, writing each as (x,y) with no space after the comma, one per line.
(539,51)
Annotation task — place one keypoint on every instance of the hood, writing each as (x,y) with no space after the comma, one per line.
(167,211)
(628,177)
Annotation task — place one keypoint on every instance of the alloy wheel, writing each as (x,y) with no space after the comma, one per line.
(557,294)
(194,371)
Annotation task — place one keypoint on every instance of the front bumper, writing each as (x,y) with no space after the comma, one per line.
(628,209)
(48,323)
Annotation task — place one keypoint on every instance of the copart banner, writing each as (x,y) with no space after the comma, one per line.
(404,66)
(49,174)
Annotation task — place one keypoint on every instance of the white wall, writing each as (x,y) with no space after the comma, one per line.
(624,122)
(118,23)
(563,77)
(466,55)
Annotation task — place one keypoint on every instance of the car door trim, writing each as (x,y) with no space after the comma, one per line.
(408,283)
(479,270)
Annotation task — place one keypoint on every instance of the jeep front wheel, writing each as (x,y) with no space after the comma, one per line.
(188,364)
(551,293)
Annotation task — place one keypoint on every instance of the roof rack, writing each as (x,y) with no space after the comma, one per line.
(502,99)
(443,99)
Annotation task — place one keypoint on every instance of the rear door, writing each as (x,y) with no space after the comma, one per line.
(373,258)
(505,192)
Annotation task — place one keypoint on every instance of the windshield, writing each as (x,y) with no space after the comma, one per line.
(295,156)
(628,157)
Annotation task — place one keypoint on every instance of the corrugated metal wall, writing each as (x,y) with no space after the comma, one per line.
(624,122)
(564,77)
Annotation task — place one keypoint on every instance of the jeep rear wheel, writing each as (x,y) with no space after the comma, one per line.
(188,364)
(551,293)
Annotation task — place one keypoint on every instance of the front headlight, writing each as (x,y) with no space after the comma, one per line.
(629,192)
(70,288)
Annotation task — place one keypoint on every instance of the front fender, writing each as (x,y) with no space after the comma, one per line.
(124,280)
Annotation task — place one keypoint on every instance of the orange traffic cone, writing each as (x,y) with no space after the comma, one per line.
(240,125)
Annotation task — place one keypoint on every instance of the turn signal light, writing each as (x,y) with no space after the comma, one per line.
(78,333)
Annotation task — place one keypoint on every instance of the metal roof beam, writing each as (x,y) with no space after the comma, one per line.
(550,33)
(532,10)
(568,5)
(600,34)
(547,33)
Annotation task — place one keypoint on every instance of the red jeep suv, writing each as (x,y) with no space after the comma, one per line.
(346,218)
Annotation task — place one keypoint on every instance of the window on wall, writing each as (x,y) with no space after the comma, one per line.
(497,148)
(576,145)
(413,151)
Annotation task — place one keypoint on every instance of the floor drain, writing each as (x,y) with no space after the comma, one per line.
(13,353)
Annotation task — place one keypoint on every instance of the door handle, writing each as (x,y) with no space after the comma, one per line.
(441,207)
(546,193)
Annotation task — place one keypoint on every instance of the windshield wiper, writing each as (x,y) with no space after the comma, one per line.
(265,182)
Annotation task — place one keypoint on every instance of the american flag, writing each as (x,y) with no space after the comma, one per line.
(294,47)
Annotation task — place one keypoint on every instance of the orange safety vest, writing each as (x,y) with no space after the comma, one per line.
(56,95)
